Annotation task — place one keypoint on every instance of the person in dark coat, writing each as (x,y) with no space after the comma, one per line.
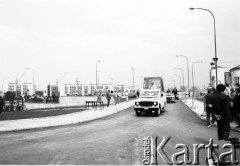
(1,104)
(210,92)
(138,93)
(175,92)
(236,106)
(108,96)
(220,106)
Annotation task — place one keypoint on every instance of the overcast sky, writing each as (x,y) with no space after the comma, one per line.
(56,36)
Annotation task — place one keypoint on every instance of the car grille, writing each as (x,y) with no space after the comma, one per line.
(148,103)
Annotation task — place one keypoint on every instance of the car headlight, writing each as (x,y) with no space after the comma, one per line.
(155,103)
(137,103)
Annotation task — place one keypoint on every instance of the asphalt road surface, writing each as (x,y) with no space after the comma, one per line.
(116,139)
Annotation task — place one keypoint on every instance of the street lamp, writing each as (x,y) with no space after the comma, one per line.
(215,41)
(97,74)
(33,78)
(179,79)
(182,76)
(187,68)
(133,75)
(193,81)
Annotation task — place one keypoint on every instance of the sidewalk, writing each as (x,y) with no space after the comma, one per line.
(67,119)
(198,109)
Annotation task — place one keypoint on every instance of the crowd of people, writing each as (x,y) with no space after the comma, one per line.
(223,104)
(111,94)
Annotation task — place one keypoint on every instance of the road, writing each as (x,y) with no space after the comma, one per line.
(116,139)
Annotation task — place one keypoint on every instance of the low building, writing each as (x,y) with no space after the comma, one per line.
(235,74)
(20,88)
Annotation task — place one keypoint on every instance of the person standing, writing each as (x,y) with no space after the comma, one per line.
(115,97)
(153,86)
(236,106)
(227,90)
(220,107)
(175,92)
(118,97)
(210,91)
(99,98)
(1,104)
(108,96)
(45,97)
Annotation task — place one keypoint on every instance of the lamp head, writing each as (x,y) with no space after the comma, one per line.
(191,8)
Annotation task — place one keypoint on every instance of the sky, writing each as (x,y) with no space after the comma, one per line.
(57,36)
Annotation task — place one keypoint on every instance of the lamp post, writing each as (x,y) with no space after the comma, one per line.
(182,79)
(133,75)
(187,68)
(97,74)
(33,78)
(193,81)
(179,79)
(215,41)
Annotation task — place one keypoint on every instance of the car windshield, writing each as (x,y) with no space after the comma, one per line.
(149,94)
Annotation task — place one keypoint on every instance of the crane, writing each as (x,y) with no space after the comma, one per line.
(58,80)
(17,80)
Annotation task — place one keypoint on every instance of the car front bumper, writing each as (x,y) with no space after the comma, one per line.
(146,109)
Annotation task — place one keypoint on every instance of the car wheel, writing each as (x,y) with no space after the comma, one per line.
(138,113)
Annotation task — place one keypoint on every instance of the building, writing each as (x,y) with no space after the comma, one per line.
(20,88)
(231,76)
(235,74)
(82,89)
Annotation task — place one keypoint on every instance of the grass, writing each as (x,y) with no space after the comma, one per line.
(29,114)
(40,113)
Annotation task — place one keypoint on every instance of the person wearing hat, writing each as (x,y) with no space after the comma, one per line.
(210,91)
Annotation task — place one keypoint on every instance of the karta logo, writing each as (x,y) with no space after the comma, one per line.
(152,150)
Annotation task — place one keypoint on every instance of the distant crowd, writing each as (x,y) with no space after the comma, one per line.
(223,104)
